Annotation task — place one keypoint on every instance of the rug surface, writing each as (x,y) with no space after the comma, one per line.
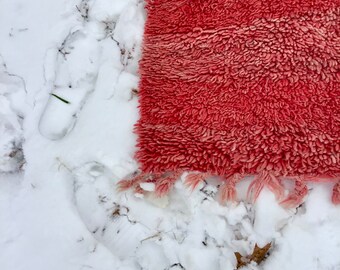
(233,88)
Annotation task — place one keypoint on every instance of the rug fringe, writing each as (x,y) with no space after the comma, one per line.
(265,179)
(193,180)
(164,183)
(132,182)
(336,193)
(295,198)
(228,191)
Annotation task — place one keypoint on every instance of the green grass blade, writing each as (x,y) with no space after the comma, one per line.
(60,98)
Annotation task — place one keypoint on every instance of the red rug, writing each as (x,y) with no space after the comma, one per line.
(236,88)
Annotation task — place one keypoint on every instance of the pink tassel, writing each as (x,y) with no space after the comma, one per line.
(192,180)
(165,184)
(228,192)
(163,181)
(296,197)
(256,187)
(276,187)
(228,188)
(336,194)
(134,182)
(126,184)
(265,179)
(139,190)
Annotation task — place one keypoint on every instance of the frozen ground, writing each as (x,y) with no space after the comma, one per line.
(59,161)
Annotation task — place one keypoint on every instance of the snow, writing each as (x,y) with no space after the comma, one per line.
(59,208)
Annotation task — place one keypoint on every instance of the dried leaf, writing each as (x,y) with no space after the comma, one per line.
(258,255)
(240,260)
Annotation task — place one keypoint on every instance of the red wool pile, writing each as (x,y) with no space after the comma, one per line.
(235,88)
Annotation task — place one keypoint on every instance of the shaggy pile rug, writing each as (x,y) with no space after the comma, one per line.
(236,88)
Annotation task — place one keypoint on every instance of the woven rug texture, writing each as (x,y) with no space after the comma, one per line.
(237,88)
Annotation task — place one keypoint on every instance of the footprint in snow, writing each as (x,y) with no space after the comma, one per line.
(12,112)
(109,222)
(73,81)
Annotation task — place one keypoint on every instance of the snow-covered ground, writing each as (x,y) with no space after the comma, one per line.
(62,154)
